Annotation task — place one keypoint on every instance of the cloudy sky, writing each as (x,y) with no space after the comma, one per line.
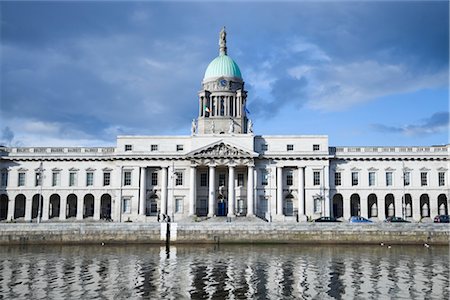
(364,73)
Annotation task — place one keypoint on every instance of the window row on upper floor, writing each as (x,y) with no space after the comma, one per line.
(387,178)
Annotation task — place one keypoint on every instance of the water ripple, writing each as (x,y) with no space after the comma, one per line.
(225,272)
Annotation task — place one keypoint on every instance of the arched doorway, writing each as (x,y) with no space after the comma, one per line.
(442,204)
(35,208)
(424,206)
(355,205)
(105,204)
(19,206)
(88,206)
(71,206)
(151,206)
(408,206)
(3,207)
(372,205)
(289,205)
(55,201)
(389,207)
(338,206)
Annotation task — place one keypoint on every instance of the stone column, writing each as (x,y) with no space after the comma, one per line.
(11,208)
(212,192)
(326,191)
(80,207)
(364,207)
(381,209)
(433,209)
(398,205)
(301,194)
(62,208)
(164,191)
(192,190)
(171,191)
(28,208)
(250,189)
(142,191)
(279,191)
(97,207)
(231,197)
(45,208)
(415,206)
(346,207)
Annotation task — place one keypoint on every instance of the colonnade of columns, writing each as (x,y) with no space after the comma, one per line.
(168,192)
(192,198)
(231,106)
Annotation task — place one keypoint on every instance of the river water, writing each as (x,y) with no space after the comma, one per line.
(224,272)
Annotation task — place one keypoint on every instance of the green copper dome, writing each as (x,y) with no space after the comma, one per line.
(222,65)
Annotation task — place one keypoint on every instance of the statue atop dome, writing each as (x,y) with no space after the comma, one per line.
(223,42)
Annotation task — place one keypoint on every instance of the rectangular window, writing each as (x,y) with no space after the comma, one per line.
(179,178)
(441,176)
(264,177)
(337,178)
(354,178)
(127,178)
(290,147)
(388,178)
(37,178)
(154,178)
(4,179)
(179,205)
(406,178)
(316,178)
(423,178)
(89,178)
(316,147)
(154,147)
(106,178)
(72,179)
(180,147)
(128,147)
(203,179)
(126,206)
(289,178)
(240,179)
(264,147)
(221,179)
(21,179)
(55,179)
(371,178)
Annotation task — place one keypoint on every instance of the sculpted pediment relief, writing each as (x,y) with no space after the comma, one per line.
(220,150)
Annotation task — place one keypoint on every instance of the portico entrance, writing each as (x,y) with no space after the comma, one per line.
(222,207)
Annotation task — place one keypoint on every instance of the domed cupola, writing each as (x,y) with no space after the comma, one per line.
(222,65)
(222,98)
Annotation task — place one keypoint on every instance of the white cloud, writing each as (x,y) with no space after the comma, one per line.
(338,87)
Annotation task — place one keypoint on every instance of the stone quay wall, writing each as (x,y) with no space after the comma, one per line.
(224,233)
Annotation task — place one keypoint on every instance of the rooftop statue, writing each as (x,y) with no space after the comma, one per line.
(223,41)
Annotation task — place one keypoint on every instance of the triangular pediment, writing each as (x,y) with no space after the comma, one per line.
(221,150)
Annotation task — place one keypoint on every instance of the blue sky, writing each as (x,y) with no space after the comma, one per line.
(364,73)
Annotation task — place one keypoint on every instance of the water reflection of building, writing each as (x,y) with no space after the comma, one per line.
(223,169)
(242,272)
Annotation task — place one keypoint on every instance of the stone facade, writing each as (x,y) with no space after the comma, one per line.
(223,169)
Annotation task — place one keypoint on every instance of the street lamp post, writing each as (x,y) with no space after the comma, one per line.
(40,180)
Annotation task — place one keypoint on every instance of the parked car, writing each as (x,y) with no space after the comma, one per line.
(358,219)
(396,220)
(442,219)
(326,219)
